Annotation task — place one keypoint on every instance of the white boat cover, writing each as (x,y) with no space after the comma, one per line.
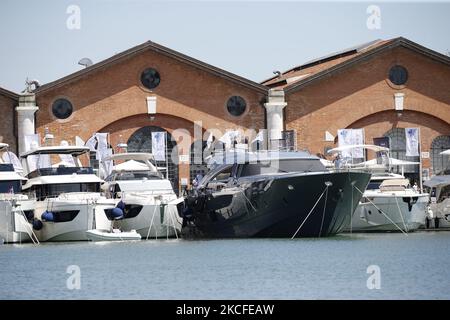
(356,146)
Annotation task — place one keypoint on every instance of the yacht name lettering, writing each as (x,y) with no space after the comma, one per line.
(193,310)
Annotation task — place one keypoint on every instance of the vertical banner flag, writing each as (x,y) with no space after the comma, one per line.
(102,145)
(412,142)
(159,145)
(32,142)
(348,137)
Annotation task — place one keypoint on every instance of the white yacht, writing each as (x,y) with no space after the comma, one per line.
(439,210)
(16,209)
(389,203)
(68,199)
(145,201)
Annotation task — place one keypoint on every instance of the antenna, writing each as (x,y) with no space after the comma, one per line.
(85,62)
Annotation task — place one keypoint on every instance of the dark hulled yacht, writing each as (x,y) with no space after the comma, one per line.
(271,194)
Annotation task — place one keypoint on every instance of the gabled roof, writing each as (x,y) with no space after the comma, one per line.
(149,45)
(9,94)
(305,74)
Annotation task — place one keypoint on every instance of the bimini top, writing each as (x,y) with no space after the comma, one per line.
(134,161)
(137,156)
(356,146)
(242,156)
(437,181)
(72,150)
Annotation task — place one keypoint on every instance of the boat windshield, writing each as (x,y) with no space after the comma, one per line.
(374,185)
(11,186)
(282,166)
(133,175)
(53,190)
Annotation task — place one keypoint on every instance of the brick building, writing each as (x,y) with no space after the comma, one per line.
(152,88)
(356,88)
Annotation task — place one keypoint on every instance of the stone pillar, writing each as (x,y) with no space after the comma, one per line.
(25,118)
(275,122)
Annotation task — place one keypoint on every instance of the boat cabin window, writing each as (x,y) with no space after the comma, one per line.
(283,165)
(221,174)
(54,190)
(11,186)
(445,193)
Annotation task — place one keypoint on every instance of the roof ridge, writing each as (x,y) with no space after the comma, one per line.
(159,48)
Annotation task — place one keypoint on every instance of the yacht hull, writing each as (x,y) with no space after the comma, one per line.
(402,212)
(285,206)
(78,216)
(14,226)
(153,221)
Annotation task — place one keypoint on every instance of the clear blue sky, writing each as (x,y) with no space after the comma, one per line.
(249,38)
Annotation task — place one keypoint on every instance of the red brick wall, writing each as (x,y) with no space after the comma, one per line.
(361,97)
(113,100)
(7,118)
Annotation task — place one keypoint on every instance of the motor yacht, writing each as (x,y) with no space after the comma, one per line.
(389,203)
(16,209)
(144,199)
(271,194)
(439,208)
(68,199)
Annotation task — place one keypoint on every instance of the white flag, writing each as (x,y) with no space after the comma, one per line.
(79,142)
(32,142)
(350,137)
(209,140)
(412,142)
(259,136)
(102,145)
(159,145)
(358,138)
(91,143)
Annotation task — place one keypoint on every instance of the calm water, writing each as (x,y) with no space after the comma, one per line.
(413,267)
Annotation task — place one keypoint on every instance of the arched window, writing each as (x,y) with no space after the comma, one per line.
(397,146)
(141,141)
(440,162)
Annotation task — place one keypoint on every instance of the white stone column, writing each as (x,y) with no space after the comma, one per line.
(274,110)
(25,118)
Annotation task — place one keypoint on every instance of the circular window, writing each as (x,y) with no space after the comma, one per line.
(398,75)
(150,78)
(62,108)
(236,105)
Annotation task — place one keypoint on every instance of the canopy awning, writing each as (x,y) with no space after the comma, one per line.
(138,156)
(356,146)
(132,165)
(446,152)
(72,150)
(437,180)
